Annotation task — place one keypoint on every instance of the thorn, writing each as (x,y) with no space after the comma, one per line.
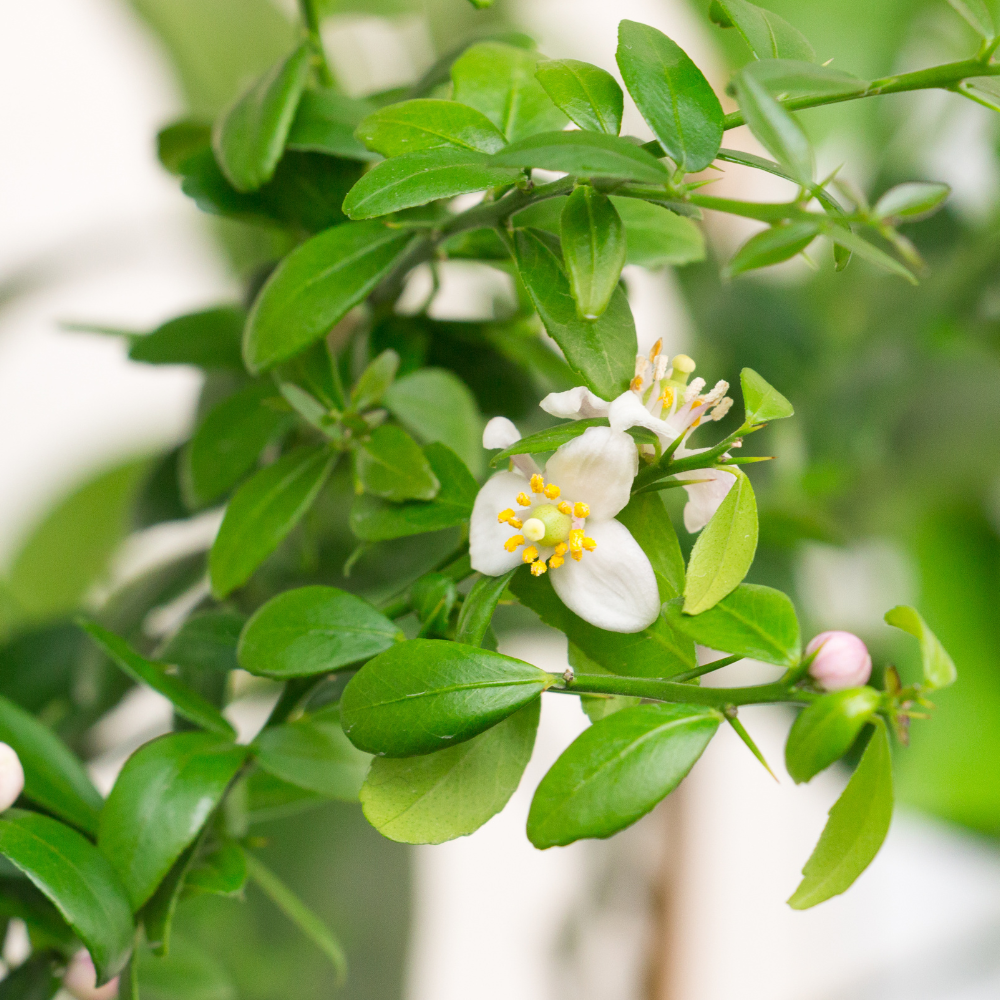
(745,736)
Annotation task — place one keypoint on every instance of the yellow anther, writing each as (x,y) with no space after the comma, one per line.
(581,510)
(537,483)
(555,562)
(695,422)
(561,549)
(576,540)
(552,491)
(505,516)
(530,554)
(636,384)
(566,508)
(668,397)
(577,554)
(513,542)
(538,567)
(654,353)
(589,544)
(514,522)
(523,500)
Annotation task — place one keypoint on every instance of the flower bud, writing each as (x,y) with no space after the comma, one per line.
(500,433)
(842,661)
(11,776)
(81,979)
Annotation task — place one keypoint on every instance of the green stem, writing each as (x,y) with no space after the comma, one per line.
(310,18)
(707,668)
(291,696)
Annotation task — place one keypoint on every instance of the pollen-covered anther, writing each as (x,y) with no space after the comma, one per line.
(581,509)
(589,544)
(530,554)
(524,500)
(566,508)
(577,554)
(660,367)
(555,562)
(513,542)
(538,567)
(667,398)
(654,353)
(636,384)
(722,409)
(641,366)
(537,483)
(561,549)
(552,491)
(576,540)
(506,516)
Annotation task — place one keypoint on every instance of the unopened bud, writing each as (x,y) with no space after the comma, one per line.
(842,661)
(81,980)
(11,776)
(500,433)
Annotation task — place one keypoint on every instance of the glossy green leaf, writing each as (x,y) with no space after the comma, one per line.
(54,778)
(250,137)
(428,694)
(313,630)
(656,237)
(315,286)
(208,339)
(499,80)
(222,872)
(724,551)
(593,244)
(938,667)
(856,829)
(478,608)
(672,94)
(429,124)
(78,879)
(263,511)
(911,201)
(768,35)
(391,465)
(601,353)
(160,802)
(826,729)
(421,177)
(187,703)
(375,520)
(779,133)
(762,401)
(588,95)
(615,772)
(649,524)
(452,792)
(772,246)
(206,641)
(547,440)
(325,122)
(797,78)
(979,15)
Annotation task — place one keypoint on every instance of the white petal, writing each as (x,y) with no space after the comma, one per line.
(614,586)
(486,533)
(500,433)
(627,411)
(597,468)
(575,404)
(704,498)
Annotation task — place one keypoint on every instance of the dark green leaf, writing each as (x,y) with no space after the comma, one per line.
(209,339)
(825,730)
(427,694)
(158,914)
(649,524)
(315,370)
(433,597)
(547,440)
(206,641)
(177,142)
(779,133)
(588,95)
(223,872)
(656,236)
(772,246)
(593,244)
(33,979)
(617,770)
(21,899)
(161,800)
(858,824)
(391,465)
(938,667)
(75,876)
(769,36)
(477,610)
(911,202)
(762,401)
(429,124)
(263,511)
(672,94)
(325,122)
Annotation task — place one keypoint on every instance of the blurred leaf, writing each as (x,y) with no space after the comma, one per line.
(315,370)
(772,246)
(37,667)
(779,133)
(857,244)
(178,142)
(762,401)
(978,14)
(478,608)
(20,898)
(33,979)
(656,236)
(208,339)
(911,201)
(206,641)
(187,972)
(826,729)
(939,668)
(593,244)
(375,380)
(325,122)
(222,872)
(795,77)
(391,465)
(158,914)
(769,36)
(588,95)
(429,124)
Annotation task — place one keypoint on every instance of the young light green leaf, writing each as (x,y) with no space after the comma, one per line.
(391,465)
(593,244)
(939,668)
(325,123)
(250,137)
(208,339)
(429,124)
(978,14)
(762,401)
(656,237)
(452,792)
(54,778)
(724,551)
(78,879)
(673,95)
(649,524)
(851,241)
(858,824)
(779,133)
(478,607)
(617,770)
(588,95)
(910,202)
(769,36)
(161,800)
(313,630)
(771,246)
(375,380)
(601,353)
(428,694)
(263,511)
(315,286)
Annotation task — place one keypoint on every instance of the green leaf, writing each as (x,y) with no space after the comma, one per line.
(978,14)
(939,668)
(499,80)
(672,94)
(325,122)
(208,339)
(54,778)
(427,694)
(911,202)
(250,137)
(421,177)
(436,405)
(724,551)
(601,353)
(160,802)
(762,401)
(19,898)
(772,246)
(588,95)
(429,124)
(769,36)
(314,754)
(223,872)
(315,286)
(849,240)
(584,154)
(547,440)
(206,641)
(33,979)
(649,524)
(779,133)
(78,879)
(187,703)
(313,630)
(433,597)
(656,236)
(375,380)
(477,610)
(263,511)
(453,792)
(825,730)
(391,465)
(157,915)
(593,243)
(797,78)
(187,972)
(858,824)
(615,772)
(375,520)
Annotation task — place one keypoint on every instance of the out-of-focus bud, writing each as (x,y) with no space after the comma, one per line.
(11,776)
(81,979)
(500,433)
(842,661)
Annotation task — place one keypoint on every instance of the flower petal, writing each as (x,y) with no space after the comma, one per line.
(486,533)
(704,498)
(614,586)
(627,411)
(597,468)
(500,433)
(575,404)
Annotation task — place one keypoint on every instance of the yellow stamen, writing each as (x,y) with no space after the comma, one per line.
(538,567)
(668,397)
(537,483)
(695,422)
(566,508)
(523,500)
(577,554)
(581,510)
(506,516)
(656,350)
(636,384)
(530,554)
(561,549)
(555,562)
(513,542)
(589,544)
(552,491)
(576,540)
(514,522)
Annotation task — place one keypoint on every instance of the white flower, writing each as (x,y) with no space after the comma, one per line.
(81,979)
(562,522)
(11,776)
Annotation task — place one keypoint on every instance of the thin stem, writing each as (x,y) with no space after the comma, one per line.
(291,696)
(310,18)
(707,668)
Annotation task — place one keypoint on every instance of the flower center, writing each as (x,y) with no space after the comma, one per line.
(548,525)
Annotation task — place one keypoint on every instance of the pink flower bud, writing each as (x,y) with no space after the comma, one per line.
(842,661)
(11,776)
(81,980)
